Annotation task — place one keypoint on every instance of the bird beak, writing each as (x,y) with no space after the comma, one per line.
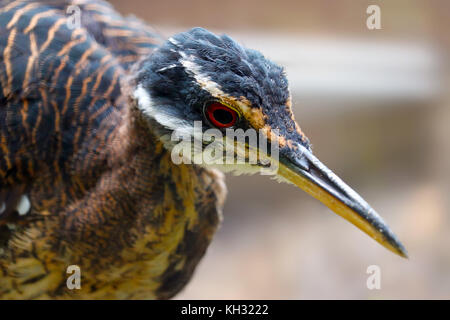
(304,170)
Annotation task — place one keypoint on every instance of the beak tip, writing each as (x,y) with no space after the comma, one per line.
(403,253)
(397,247)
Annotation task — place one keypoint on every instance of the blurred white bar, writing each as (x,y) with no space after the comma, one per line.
(352,69)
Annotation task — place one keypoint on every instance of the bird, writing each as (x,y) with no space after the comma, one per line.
(88,113)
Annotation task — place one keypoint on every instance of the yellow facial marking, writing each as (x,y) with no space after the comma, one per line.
(292,145)
(297,127)
(254,116)
(271,136)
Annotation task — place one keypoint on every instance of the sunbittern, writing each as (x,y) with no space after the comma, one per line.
(86,176)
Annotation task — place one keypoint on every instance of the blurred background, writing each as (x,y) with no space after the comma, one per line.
(376,106)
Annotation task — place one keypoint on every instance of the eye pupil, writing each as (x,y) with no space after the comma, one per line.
(220,115)
(223,116)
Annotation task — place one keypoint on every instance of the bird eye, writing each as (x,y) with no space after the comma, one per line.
(221,116)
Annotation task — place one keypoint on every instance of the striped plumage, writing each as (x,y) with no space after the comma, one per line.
(102,190)
(87,170)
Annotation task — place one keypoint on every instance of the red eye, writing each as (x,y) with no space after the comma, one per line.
(220,115)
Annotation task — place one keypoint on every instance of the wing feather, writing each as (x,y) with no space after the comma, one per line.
(59,84)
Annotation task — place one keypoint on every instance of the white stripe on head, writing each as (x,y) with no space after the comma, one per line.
(173,41)
(159,114)
(203,80)
(167,68)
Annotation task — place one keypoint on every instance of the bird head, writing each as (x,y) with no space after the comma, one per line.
(208,90)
